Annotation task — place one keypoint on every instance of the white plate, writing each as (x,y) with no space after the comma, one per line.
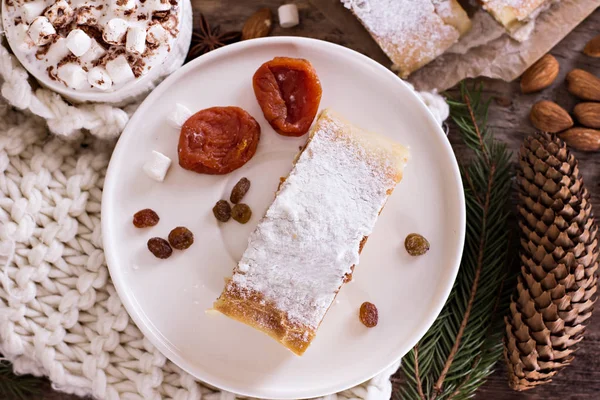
(168,298)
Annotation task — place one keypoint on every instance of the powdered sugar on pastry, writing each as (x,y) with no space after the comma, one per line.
(411,32)
(310,238)
(511,12)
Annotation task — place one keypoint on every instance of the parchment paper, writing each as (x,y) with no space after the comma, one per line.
(489,51)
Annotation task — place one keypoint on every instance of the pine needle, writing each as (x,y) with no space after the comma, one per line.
(459,351)
(17,387)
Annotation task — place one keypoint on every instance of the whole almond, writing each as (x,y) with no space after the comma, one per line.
(540,75)
(583,139)
(592,48)
(584,85)
(548,116)
(588,114)
(258,25)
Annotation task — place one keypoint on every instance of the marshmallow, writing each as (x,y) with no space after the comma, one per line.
(119,70)
(136,40)
(99,78)
(58,50)
(59,13)
(33,9)
(95,52)
(73,75)
(114,31)
(123,4)
(178,116)
(159,5)
(157,34)
(288,15)
(41,31)
(85,16)
(157,166)
(78,42)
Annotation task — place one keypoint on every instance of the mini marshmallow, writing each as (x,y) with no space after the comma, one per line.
(78,42)
(95,52)
(58,50)
(157,34)
(179,115)
(85,16)
(59,13)
(98,77)
(114,31)
(123,4)
(159,5)
(32,10)
(136,40)
(119,70)
(73,75)
(157,166)
(41,31)
(288,15)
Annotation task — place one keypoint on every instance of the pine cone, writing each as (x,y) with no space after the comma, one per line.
(559,258)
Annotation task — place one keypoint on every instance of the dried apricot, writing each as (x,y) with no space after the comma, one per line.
(239,190)
(368,314)
(416,245)
(145,218)
(288,91)
(222,210)
(181,238)
(160,247)
(241,213)
(218,140)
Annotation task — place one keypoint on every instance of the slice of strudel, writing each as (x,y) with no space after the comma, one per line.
(305,247)
(514,13)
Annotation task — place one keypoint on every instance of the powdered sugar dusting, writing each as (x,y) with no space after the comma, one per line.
(301,251)
(411,32)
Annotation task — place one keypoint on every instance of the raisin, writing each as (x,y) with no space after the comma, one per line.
(222,210)
(241,213)
(145,218)
(416,245)
(181,238)
(368,314)
(160,247)
(239,190)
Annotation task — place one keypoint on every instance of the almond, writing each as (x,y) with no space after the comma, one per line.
(548,116)
(592,48)
(583,139)
(258,25)
(540,75)
(584,85)
(588,114)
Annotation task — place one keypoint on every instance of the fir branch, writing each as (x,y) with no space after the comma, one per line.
(459,351)
(17,387)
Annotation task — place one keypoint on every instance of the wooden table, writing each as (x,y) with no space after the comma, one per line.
(329,20)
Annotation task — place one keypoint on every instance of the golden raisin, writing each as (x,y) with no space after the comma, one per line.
(241,213)
(181,238)
(160,247)
(222,210)
(368,314)
(239,190)
(416,245)
(145,218)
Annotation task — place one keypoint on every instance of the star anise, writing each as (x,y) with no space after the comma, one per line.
(206,39)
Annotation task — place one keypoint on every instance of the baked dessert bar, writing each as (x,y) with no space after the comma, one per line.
(412,32)
(306,246)
(513,14)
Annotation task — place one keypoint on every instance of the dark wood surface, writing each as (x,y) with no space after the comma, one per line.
(328,20)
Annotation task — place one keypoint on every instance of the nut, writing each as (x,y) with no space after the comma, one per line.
(583,139)
(258,25)
(588,114)
(548,116)
(592,48)
(540,75)
(584,85)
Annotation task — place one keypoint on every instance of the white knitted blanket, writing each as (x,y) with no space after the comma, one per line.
(60,315)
